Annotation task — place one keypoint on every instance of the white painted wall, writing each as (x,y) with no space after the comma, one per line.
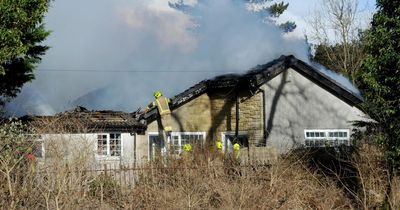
(142,148)
(70,145)
(294,103)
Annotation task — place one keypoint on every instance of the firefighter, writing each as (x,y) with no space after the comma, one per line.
(218,145)
(163,108)
(187,147)
(236,148)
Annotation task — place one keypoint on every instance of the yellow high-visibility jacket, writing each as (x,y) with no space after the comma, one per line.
(162,105)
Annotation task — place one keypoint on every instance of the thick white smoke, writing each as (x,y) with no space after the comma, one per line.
(114,54)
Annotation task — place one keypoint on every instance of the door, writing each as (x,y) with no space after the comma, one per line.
(228,140)
(156,147)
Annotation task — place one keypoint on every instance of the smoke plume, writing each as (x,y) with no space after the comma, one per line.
(114,54)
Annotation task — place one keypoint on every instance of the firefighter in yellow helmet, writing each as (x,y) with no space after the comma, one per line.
(236,148)
(218,145)
(187,147)
(162,104)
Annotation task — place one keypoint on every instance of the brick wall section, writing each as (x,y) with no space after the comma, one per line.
(215,113)
(223,112)
(194,116)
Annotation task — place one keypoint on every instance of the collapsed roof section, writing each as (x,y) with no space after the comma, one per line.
(81,120)
(258,76)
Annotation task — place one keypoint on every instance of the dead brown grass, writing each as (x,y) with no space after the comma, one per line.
(203,180)
(223,185)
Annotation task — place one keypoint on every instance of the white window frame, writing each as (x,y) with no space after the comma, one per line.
(179,134)
(108,155)
(230,133)
(326,140)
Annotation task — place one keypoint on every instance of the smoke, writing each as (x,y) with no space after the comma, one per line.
(339,78)
(114,54)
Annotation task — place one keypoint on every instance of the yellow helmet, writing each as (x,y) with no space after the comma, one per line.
(187,147)
(218,144)
(157,94)
(236,147)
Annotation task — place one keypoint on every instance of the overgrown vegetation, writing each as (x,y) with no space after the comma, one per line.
(379,81)
(201,179)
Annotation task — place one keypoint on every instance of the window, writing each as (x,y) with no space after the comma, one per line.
(228,140)
(38,149)
(178,139)
(115,144)
(102,144)
(37,145)
(109,145)
(326,137)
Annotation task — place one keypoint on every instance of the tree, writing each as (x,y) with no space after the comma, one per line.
(336,31)
(332,56)
(380,79)
(16,157)
(269,11)
(21,33)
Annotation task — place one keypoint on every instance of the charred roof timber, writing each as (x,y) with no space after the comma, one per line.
(82,120)
(258,76)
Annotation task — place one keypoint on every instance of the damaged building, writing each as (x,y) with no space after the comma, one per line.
(107,136)
(272,108)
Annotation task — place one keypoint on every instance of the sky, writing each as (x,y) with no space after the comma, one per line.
(302,11)
(113,54)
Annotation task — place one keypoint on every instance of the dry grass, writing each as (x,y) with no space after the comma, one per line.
(373,178)
(284,185)
(204,180)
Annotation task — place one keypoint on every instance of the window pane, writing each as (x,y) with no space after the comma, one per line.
(115,144)
(327,137)
(336,142)
(178,143)
(316,143)
(184,139)
(175,140)
(175,145)
(312,143)
(102,144)
(37,149)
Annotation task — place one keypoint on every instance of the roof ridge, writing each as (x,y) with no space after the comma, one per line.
(259,75)
(294,62)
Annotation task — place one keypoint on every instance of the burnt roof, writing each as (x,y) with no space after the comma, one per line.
(81,119)
(258,76)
